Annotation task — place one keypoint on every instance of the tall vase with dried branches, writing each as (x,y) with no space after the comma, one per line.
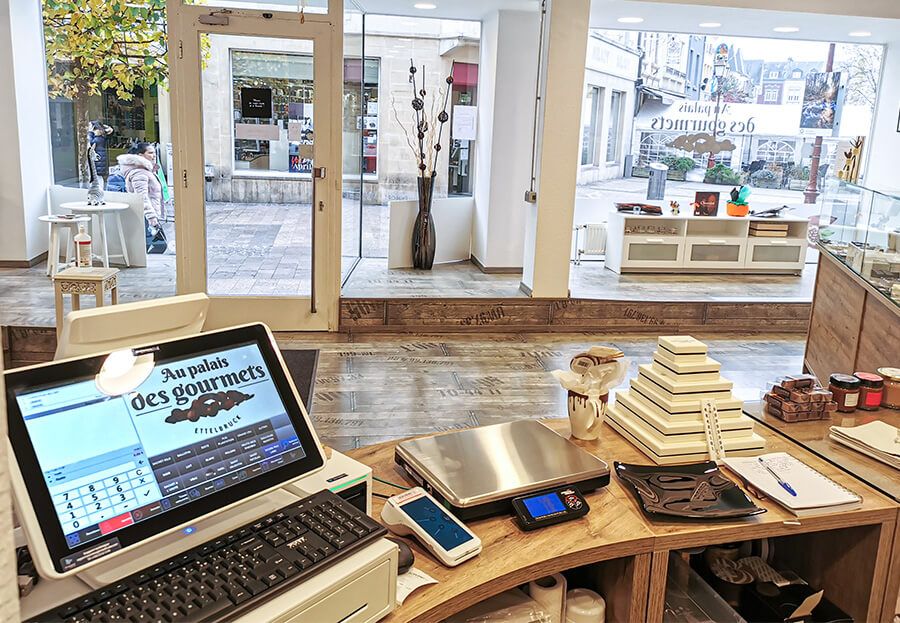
(423,135)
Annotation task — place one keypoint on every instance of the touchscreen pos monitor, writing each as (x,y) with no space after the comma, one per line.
(212,421)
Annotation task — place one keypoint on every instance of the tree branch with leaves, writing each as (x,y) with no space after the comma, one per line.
(97,45)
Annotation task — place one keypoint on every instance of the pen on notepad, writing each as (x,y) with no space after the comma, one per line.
(783,484)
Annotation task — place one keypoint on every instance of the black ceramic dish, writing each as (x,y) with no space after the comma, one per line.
(692,491)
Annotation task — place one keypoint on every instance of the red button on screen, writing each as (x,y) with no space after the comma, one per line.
(116,523)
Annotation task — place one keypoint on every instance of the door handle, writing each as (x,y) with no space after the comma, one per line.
(318,173)
(716,241)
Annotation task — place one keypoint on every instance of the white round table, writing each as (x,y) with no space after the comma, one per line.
(100,211)
(57,222)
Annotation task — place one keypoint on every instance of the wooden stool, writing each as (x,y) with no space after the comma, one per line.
(78,281)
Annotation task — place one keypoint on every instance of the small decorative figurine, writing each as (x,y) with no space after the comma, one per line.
(590,377)
(675,207)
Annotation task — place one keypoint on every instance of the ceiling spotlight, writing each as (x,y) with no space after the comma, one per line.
(630,20)
(786,29)
(710,25)
(425,6)
(860,33)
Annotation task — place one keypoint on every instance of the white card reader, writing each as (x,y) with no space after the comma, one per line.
(416,513)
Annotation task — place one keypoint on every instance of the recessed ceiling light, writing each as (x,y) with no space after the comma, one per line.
(425,6)
(630,20)
(710,25)
(860,33)
(786,29)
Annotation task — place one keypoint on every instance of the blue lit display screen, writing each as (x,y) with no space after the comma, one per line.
(543,505)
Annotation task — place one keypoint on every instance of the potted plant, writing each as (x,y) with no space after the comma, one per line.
(721,174)
(765,179)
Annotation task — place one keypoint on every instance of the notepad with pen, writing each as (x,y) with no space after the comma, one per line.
(815,492)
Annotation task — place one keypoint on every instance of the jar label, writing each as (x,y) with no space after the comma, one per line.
(873,399)
(851,400)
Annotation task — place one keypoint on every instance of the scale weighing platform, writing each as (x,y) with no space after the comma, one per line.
(476,472)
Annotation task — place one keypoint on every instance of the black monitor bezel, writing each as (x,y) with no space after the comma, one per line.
(87,367)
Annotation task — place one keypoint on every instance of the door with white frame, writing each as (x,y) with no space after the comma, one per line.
(256,115)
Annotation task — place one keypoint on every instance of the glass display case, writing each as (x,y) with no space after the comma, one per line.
(861,227)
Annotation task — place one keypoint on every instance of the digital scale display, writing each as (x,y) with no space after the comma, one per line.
(543,505)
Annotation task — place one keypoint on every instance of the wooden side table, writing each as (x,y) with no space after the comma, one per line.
(78,281)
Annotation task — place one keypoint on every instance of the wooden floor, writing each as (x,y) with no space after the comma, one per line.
(375,387)
(26,294)
(589,280)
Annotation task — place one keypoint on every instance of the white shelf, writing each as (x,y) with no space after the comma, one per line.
(702,244)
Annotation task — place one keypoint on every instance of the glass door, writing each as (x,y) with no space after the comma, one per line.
(258,157)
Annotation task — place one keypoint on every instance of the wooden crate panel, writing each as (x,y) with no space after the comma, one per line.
(764,311)
(29,345)
(465,313)
(835,321)
(621,314)
(362,312)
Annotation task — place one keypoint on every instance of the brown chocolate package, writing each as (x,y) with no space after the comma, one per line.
(799,381)
(799,395)
(820,395)
(780,391)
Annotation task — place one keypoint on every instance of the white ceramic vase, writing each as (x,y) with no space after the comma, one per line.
(586,414)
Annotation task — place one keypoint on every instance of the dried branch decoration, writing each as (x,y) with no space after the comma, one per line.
(424,134)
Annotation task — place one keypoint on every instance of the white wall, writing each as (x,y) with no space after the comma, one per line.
(882,169)
(25,165)
(507,76)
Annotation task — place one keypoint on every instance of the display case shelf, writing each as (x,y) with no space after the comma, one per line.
(861,228)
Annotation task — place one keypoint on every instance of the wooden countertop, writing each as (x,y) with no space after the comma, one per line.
(614,528)
(813,436)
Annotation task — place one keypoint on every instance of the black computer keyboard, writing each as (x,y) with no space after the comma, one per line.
(229,575)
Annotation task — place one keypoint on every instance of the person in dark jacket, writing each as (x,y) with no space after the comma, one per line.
(97,134)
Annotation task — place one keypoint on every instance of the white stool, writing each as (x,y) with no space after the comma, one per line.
(57,222)
(112,207)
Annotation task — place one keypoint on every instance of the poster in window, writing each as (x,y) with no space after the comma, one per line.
(464,120)
(256,103)
(822,98)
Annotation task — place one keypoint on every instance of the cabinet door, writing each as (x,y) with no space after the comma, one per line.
(652,251)
(776,253)
(714,252)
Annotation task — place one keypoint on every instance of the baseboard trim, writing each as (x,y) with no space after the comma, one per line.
(24,263)
(524,288)
(495,270)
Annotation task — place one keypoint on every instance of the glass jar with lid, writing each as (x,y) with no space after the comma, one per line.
(871,390)
(891,397)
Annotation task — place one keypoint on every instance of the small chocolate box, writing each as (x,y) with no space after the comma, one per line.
(800,395)
(799,381)
(780,391)
(820,395)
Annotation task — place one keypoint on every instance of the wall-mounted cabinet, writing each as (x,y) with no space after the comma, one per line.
(698,244)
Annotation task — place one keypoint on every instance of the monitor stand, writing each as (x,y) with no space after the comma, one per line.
(175,543)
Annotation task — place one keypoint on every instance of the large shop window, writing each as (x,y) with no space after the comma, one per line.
(273,111)
(361,110)
(590,113)
(615,126)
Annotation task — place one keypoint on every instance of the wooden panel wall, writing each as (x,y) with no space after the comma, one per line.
(468,314)
(835,321)
(851,327)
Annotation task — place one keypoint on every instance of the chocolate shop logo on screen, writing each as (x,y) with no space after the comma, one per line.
(208,405)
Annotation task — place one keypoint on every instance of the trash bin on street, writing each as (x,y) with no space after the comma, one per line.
(656,185)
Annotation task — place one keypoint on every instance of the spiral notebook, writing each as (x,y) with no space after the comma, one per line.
(816,492)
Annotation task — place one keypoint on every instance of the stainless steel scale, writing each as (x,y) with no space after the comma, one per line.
(476,472)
